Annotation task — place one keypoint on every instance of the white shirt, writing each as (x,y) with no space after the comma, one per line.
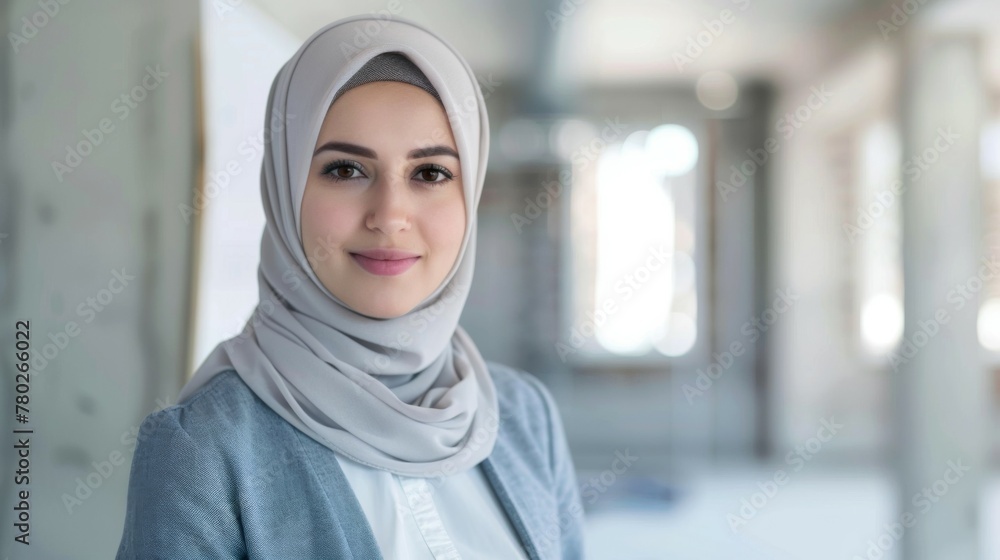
(433,519)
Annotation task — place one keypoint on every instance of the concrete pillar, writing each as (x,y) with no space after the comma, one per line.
(940,388)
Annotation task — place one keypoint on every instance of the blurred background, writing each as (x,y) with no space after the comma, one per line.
(752,246)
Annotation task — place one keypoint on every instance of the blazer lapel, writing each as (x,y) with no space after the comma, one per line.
(355,527)
(498,468)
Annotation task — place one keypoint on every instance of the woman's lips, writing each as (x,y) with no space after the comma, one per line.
(385,262)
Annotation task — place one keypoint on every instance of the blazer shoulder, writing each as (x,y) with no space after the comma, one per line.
(223,411)
(182,493)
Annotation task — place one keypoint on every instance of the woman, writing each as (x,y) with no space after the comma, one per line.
(354,417)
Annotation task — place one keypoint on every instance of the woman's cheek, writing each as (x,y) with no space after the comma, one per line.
(327,222)
(442,231)
(449,226)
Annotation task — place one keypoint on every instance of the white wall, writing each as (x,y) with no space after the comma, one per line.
(243,51)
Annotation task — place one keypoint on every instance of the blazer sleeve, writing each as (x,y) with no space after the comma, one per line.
(180,502)
(567,490)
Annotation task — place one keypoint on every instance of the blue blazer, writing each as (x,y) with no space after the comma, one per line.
(223,476)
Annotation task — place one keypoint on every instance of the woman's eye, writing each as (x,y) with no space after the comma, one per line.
(434,175)
(342,171)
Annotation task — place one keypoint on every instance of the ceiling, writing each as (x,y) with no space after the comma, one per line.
(600,39)
(637,40)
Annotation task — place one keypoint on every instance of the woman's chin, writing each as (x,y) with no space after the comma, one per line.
(380,308)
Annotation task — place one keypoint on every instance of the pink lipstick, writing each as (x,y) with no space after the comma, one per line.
(385,261)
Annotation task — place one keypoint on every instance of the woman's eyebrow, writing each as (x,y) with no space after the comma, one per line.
(432,151)
(369,153)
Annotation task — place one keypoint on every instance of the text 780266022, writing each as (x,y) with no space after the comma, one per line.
(22,445)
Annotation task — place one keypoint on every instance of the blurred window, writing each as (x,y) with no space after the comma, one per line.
(876,232)
(634,288)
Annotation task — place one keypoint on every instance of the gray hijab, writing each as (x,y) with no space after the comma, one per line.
(411,395)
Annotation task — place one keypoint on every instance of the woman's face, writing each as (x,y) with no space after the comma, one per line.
(385,176)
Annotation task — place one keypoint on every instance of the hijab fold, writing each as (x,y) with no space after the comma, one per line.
(410,395)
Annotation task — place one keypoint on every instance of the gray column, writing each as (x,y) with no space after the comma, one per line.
(939,385)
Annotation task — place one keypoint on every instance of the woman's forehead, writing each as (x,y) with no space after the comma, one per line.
(392,113)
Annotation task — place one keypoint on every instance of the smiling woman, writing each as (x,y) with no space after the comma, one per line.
(388,227)
(353,379)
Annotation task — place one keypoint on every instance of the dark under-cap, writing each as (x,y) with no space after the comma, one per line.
(389,67)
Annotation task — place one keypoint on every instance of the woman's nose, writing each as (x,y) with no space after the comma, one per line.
(389,208)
